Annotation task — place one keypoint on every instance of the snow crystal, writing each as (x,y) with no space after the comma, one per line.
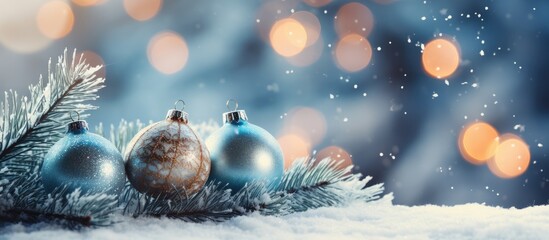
(540,145)
(481,52)
(519,127)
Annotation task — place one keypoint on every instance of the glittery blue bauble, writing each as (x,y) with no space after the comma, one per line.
(242,152)
(83,160)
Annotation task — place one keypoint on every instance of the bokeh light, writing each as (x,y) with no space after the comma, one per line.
(269,13)
(142,10)
(311,24)
(308,123)
(478,142)
(93,59)
(288,37)
(354,18)
(168,52)
(55,19)
(88,3)
(308,56)
(440,58)
(293,147)
(337,154)
(353,53)
(18,29)
(317,3)
(512,157)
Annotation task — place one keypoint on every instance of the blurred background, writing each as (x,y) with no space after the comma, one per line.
(443,101)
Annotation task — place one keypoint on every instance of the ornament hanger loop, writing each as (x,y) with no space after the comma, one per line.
(235,104)
(179,101)
(77,116)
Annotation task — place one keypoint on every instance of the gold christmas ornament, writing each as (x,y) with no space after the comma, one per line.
(168,157)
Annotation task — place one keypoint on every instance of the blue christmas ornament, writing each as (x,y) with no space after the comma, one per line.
(242,152)
(83,160)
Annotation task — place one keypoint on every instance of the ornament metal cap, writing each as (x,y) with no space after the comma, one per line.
(234,115)
(178,115)
(77,125)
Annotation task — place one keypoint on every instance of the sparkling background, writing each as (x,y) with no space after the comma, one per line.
(357,82)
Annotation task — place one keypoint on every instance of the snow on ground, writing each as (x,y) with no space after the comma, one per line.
(378,220)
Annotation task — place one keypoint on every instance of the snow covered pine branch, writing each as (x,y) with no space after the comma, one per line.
(30,127)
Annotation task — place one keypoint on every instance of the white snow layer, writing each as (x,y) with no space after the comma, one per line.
(377,220)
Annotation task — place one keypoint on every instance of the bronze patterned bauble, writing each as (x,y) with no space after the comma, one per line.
(167,158)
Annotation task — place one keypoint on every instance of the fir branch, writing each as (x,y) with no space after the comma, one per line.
(29,126)
(211,203)
(306,185)
(25,201)
(33,216)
